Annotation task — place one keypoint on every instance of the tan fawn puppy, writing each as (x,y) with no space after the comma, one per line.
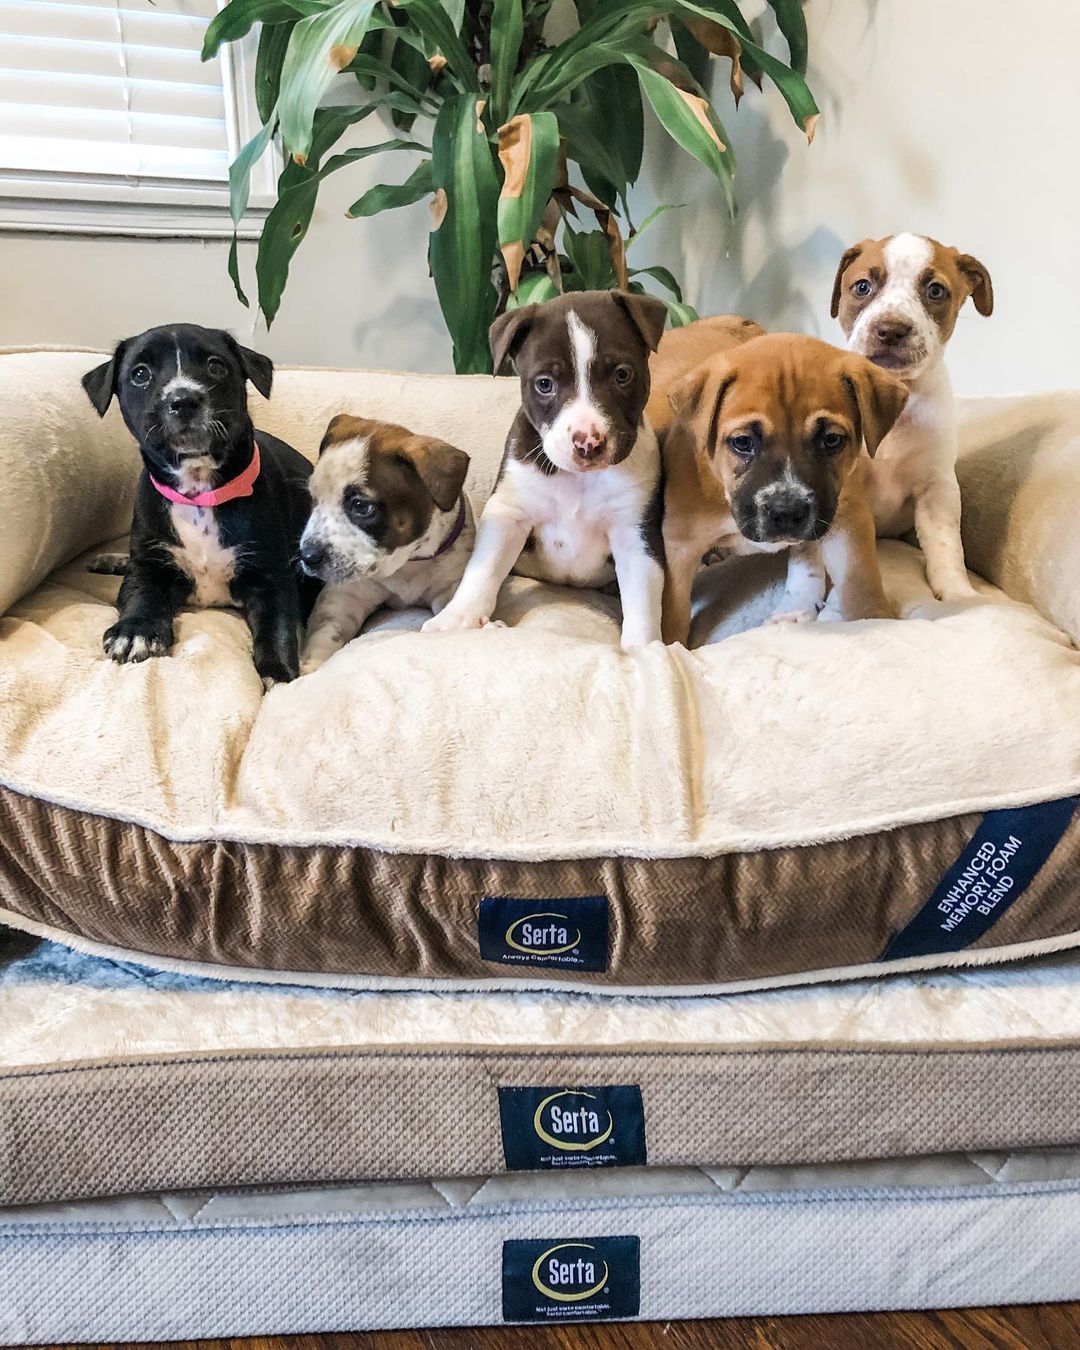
(760,457)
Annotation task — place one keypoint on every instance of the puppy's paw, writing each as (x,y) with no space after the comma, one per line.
(954,589)
(793,616)
(452,620)
(311,663)
(132,640)
(274,670)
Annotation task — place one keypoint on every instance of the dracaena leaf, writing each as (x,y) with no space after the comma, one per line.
(238,18)
(319,49)
(387,196)
(283,232)
(791,21)
(507,30)
(714,37)
(663,276)
(461,248)
(440,36)
(241,167)
(529,154)
(688,120)
(533,289)
(273,43)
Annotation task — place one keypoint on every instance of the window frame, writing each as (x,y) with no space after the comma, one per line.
(51,202)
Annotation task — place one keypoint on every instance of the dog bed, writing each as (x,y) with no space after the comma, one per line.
(182,1158)
(527,805)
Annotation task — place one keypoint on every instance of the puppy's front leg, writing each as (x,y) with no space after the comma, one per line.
(271,607)
(849,551)
(339,614)
(500,537)
(937,524)
(150,595)
(804,593)
(641,587)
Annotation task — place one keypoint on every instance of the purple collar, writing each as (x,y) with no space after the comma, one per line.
(450,540)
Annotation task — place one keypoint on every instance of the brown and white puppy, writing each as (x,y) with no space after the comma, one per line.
(578,496)
(761,458)
(390,525)
(897,300)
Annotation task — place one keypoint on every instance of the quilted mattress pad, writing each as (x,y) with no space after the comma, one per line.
(528,805)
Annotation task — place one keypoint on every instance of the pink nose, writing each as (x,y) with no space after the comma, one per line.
(589,443)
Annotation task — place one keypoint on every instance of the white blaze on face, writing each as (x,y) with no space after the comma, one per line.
(579,416)
(907,256)
(181,382)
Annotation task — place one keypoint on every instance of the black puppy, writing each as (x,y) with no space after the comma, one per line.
(220,506)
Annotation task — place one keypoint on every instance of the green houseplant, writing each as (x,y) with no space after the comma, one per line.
(491,118)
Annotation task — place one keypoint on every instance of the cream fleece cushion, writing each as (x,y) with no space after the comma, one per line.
(540,739)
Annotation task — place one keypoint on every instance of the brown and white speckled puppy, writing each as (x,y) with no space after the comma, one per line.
(761,457)
(390,525)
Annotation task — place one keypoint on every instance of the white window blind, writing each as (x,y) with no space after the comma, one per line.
(110,121)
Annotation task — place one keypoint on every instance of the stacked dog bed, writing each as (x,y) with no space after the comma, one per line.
(339,985)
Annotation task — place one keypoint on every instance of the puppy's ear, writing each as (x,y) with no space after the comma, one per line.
(257,368)
(100,383)
(441,468)
(879,399)
(686,394)
(647,314)
(978,278)
(508,332)
(344,427)
(838,281)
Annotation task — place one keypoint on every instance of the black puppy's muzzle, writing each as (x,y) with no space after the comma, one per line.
(786,515)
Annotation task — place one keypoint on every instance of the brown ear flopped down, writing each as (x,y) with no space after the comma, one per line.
(647,314)
(879,398)
(849,257)
(508,332)
(441,468)
(100,383)
(978,278)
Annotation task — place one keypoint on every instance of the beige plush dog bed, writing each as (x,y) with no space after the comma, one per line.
(529,804)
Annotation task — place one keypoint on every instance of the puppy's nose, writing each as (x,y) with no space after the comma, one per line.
(313,554)
(589,443)
(789,515)
(183,405)
(894,330)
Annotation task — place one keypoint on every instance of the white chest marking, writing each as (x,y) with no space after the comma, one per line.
(202,556)
(573,515)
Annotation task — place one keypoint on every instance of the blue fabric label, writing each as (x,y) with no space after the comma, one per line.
(571,1279)
(554,1127)
(996,867)
(570,933)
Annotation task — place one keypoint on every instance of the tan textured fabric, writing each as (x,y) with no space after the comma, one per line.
(248,1119)
(350,822)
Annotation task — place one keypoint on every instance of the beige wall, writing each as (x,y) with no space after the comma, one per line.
(953,117)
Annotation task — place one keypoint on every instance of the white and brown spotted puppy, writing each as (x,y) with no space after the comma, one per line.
(579,496)
(390,525)
(897,300)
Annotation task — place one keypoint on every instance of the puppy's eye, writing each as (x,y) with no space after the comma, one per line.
(544,385)
(359,508)
(936,291)
(623,375)
(743,446)
(141,376)
(833,441)
(216,367)
(863,287)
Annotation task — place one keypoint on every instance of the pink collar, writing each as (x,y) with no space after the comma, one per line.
(240,486)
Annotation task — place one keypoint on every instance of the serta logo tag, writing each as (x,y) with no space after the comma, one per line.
(574,1127)
(570,933)
(573,1278)
(553,1127)
(542,935)
(570,1276)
